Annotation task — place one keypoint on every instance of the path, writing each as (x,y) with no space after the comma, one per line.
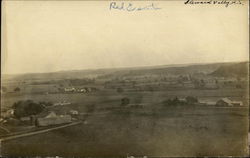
(37,132)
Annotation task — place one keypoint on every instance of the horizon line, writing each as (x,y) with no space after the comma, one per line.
(125,67)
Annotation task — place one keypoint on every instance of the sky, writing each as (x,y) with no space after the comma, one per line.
(47,36)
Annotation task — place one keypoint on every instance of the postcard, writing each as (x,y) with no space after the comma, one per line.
(124,78)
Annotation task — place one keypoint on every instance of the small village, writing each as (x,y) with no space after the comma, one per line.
(49,118)
(94,109)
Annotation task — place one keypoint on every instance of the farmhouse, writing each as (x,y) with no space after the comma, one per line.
(82,90)
(237,103)
(61,103)
(224,102)
(8,113)
(73,112)
(50,118)
(71,89)
(208,102)
(228,102)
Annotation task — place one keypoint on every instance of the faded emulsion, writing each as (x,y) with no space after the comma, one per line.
(131,7)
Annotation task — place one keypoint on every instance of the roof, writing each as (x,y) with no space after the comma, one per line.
(47,114)
(237,102)
(208,102)
(226,100)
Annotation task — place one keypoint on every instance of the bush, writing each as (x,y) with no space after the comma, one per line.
(4,89)
(191,100)
(173,102)
(125,101)
(17,89)
(120,90)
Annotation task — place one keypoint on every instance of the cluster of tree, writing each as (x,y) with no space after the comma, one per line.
(125,101)
(182,79)
(176,101)
(27,108)
(120,90)
(4,89)
(17,89)
(42,82)
(199,83)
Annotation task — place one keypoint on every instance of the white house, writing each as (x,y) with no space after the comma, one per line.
(224,102)
(228,102)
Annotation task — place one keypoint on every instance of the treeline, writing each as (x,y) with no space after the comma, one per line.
(73,82)
(176,101)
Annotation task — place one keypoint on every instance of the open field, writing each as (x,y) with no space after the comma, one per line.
(111,95)
(168,132)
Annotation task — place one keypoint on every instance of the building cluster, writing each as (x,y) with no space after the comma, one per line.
(79,90)
(61,103)
(224,102)
(48,118)
(228,102)
(45,118)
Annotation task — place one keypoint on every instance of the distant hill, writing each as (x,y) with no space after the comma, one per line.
(174,70)
(232,70)
(205,69)
(214,69)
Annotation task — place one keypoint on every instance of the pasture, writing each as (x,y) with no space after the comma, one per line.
(167,132)
(154,130)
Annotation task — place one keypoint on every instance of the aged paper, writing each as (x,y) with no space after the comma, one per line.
(124,78)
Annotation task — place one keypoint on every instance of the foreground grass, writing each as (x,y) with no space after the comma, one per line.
(172,132)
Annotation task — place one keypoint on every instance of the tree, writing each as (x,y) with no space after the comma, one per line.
(191,100)
(173,102)
(216,81)
(4,89)
(202,83)
(27,108)
(238,86)
(17,89)
(125,101)
(151,89)
(199,84)
(120,90)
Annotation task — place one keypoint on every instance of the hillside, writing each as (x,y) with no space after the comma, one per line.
(214,69)
(232,70)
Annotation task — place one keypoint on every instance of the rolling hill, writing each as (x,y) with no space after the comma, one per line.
(232,70)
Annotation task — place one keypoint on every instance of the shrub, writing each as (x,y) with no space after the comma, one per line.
(191,100)
(17,89)
(120,90)
(173,102)
(125,101)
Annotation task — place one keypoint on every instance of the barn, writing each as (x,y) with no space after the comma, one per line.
(224,102)
(50,118)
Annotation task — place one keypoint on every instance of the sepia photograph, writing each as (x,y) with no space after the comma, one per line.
(129,79)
